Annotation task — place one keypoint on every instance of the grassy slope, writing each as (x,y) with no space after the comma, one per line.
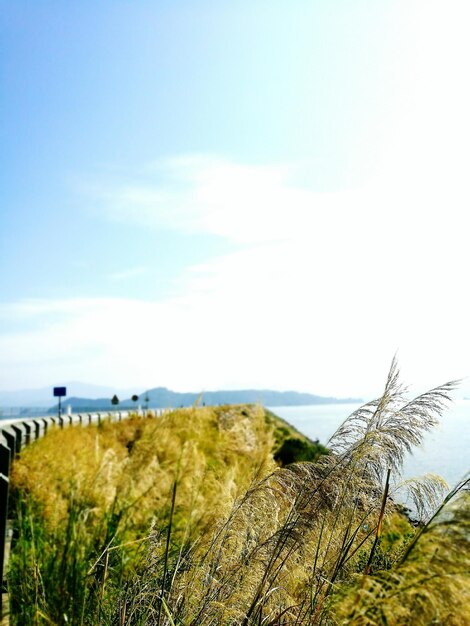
(188,520)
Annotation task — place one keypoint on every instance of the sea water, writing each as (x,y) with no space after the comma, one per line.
(445,450)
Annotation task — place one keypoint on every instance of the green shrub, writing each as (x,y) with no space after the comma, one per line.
(294,450)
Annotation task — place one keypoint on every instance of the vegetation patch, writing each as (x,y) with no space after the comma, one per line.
(292,446)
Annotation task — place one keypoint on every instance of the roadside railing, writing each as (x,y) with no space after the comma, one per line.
(16,433)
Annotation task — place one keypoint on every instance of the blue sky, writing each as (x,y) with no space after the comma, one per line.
(233,194)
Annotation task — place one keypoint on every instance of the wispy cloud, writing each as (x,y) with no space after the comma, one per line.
(127,274)
(255,204)
(204,193)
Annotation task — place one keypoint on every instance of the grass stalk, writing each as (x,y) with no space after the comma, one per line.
(167,550)
(379,524)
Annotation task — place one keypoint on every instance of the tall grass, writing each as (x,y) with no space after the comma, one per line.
(193,524)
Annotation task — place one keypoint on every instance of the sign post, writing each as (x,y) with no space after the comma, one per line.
(60,392)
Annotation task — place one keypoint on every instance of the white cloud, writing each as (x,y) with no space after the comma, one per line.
(324,290)
(279,315)
(325,287)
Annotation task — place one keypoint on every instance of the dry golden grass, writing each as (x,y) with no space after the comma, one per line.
(131,465)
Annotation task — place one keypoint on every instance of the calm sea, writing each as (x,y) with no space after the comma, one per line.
(445,451)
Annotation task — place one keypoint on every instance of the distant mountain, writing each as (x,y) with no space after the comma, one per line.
(161,397)
(43,397)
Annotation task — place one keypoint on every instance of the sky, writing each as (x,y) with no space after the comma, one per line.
(234,194)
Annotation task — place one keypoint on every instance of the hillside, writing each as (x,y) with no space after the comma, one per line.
(114,484)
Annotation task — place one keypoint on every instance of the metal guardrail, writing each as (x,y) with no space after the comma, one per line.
(17,433)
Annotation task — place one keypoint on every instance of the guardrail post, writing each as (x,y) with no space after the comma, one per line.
(5,455)
(10,441)
(27,428)
(37,429)
(18,438)
(4,481)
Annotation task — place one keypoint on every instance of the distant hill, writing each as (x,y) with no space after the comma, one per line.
(161,397)
(43,397)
